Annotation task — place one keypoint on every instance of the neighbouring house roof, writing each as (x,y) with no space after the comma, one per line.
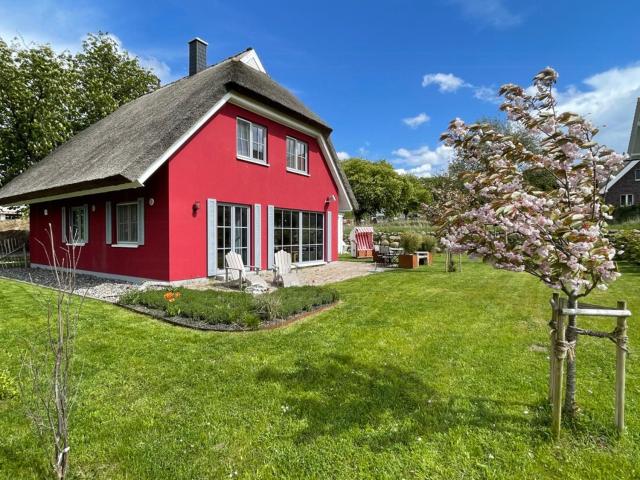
(633,150)
(123,149)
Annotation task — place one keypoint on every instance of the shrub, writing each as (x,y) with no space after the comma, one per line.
(411,242)
(429,243)
(8,387)
(208,306)
(268,306)
(627,241)
(294,300)
(216,307)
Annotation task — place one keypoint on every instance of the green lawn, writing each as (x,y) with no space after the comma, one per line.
(416,374)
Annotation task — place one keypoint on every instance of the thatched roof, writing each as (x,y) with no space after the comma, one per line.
(122,146)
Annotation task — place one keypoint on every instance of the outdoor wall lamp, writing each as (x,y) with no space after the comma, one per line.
(196,207)
(331,198)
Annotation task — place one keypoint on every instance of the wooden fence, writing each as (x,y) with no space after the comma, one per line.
(13,253)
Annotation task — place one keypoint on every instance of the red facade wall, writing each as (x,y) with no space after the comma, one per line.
(149,261)
(205,167)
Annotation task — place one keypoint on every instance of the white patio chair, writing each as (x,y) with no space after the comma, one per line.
(235,270)
(283,270)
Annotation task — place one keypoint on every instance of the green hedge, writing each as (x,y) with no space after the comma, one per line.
(627,241)
(217,307)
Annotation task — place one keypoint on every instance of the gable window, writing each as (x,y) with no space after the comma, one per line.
(251,140)
(127,223)
(626,199)
(79,225)
(637,174)
(297,156)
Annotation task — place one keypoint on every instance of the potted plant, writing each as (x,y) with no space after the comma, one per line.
(410,244)
(428,245)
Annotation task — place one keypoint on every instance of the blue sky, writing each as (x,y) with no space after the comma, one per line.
(388,76)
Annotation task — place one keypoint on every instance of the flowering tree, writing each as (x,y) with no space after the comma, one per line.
(558,235)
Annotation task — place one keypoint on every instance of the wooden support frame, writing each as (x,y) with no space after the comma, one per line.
(559,350)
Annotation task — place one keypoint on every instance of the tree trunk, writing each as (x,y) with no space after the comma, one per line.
(572,336)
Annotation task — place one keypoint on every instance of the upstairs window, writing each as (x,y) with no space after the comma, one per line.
(626,200)
(127,223)
(297,156)
(637,174)
(251,141)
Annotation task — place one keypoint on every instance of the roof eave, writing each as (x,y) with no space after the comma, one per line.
(109,184)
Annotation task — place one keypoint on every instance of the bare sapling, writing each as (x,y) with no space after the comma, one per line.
(48,383)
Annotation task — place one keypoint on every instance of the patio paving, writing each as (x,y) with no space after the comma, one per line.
(334,272)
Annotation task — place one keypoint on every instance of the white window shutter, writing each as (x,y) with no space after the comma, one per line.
(329,236)
(64,224)
(270,234)
(85,229)
(257,235)
(107,222)
(212,247)
(141,221)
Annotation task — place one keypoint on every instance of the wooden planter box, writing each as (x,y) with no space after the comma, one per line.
(408,261)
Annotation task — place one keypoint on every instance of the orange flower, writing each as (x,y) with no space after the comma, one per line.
(169,296)
(177,294)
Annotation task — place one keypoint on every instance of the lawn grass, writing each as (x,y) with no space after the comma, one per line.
(416,374)
(629,224)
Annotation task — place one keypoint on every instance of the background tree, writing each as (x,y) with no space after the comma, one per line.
(36,105)
(414,195)
(558,235)
(46,97)
(537,177)
(376,185)
(107,77)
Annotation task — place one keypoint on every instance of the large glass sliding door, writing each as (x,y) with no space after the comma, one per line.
(232,232)
(299,233)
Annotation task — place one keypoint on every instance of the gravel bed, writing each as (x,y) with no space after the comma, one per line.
(94,287)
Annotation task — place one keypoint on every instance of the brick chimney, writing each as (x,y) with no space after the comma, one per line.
(197,55)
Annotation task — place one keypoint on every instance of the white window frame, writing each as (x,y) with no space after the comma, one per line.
(250,157)
(132,244)
(296,157)
(81,241)
(301,227)
(626,200)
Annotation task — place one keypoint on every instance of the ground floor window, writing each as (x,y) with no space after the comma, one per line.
(299,233)
(79,224)
(626,200)
(232,232)
(127,222)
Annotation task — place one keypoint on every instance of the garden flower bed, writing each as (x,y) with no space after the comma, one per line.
(221,310)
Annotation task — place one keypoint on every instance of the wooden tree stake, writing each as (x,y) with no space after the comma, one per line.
(621,359)
(559,352)
(552,342)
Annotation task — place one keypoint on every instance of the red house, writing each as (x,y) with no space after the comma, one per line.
(161,189)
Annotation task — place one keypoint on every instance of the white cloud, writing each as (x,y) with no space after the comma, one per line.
(415,122)
(343,155)
(608,102)
(422,161)
(487,94)
(447,82)
(492,13)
